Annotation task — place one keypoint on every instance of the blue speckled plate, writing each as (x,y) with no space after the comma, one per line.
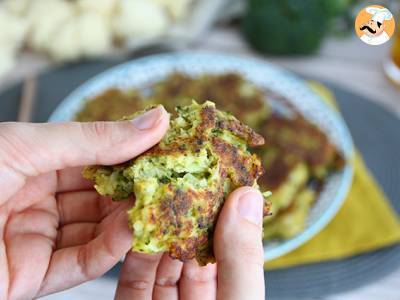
(142,72)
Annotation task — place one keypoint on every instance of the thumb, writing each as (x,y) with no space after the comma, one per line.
(238,246)
(32,149)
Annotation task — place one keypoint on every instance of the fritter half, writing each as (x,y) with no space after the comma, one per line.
(181,184)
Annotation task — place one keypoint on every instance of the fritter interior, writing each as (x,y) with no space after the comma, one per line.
(180,184)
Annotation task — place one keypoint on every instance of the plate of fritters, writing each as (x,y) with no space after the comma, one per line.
(308,149)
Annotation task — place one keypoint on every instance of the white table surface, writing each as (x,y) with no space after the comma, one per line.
(348,63)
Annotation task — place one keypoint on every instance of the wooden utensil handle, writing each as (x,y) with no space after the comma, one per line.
(27,100)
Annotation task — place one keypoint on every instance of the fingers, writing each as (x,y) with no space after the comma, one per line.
(89,261)
(31,149)
(198,282)
(84,206)
(137,276)
(238,246)
(76,234)
(31,193)
(82,232)
(71,179)
(29,242)
(167,277)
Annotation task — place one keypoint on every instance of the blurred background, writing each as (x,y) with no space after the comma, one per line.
(50,40)
(320,40)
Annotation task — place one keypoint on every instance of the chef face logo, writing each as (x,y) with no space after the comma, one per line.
(372,28)
(374,25)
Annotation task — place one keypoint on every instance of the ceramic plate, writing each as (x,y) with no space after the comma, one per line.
(143,72)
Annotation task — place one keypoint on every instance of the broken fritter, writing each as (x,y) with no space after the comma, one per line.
(181,184)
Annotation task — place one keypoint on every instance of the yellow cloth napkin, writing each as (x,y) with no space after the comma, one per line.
(365,222)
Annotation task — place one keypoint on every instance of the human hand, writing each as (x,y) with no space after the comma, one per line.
(55,231)
(237,275)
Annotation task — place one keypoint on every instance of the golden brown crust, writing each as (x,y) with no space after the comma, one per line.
(302,139)
(208,116)
(177,205)
(111,105)
(243,131)
(291,141)
(239,168)
(278,170)
(186,214)
(230,92)
(242,170)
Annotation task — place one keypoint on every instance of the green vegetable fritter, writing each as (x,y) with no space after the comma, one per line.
(297,153)
(180,184)
(302,141)
(111,105)
(230,92)
(298,156)
(292,220)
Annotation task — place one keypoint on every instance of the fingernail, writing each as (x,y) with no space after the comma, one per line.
(250,206)
(149,119)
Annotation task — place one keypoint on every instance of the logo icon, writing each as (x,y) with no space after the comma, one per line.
(374,25)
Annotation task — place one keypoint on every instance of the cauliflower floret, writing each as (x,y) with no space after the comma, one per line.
(139,18)
(46,17)
(85,34)
(94,34)
(64,45)
(104,7)
(176,8)
(13,30)
(17,7)
(68,30)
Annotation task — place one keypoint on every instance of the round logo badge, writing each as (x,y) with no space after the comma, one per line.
(375,25)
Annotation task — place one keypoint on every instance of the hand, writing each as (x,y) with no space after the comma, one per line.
(55,231)
(237,275)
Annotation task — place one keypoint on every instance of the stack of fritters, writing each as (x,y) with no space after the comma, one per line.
(180,184)
(111,105)
(297,157)
(230,92)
